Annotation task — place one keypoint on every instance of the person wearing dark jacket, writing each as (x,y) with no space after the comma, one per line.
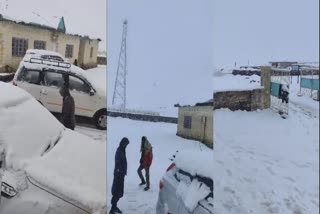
(145,162)
(68,108)
(120,171)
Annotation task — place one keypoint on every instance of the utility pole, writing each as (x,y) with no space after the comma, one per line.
(120,86)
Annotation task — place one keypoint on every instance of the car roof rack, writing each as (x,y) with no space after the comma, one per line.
(50,62)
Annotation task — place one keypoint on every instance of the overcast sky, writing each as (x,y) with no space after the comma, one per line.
(169,50)
(262,30)
(84,17)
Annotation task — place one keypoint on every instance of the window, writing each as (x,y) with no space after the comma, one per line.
(19,47)
(187,122)
(69,51)
(39,44)
(78,85)
(53,79)
(30,76)
(91,52)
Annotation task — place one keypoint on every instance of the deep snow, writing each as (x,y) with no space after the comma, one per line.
(165,143)
(266,164)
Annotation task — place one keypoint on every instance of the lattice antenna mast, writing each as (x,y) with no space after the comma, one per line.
(120,86)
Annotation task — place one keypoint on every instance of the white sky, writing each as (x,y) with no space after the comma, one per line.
(84,17)
(169,50)
(264,30)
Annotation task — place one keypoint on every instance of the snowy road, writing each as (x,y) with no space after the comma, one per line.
(163,138)
(266,164)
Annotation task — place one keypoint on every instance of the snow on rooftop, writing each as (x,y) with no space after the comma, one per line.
(43,52)
(229,82)
(48,13)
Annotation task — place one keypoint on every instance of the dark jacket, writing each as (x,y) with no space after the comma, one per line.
(121,159)
(68,108)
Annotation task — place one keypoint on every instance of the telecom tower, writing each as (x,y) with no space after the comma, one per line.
(120,87)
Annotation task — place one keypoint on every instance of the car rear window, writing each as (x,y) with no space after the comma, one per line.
(187,178)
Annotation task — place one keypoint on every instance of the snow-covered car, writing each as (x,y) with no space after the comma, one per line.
(46,168)
(42,73)
(187,186)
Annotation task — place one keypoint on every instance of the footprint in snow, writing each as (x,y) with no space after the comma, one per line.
(289,179)
(229,172)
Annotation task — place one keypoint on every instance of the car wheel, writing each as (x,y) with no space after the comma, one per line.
(101,120)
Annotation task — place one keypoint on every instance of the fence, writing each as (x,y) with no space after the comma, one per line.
(309,86)
(142,117)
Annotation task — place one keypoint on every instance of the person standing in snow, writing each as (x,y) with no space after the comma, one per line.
(68,108)
(120,171)
(145,162)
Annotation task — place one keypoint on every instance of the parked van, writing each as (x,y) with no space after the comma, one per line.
(42,73)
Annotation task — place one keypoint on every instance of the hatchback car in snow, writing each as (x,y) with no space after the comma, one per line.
(42,73)
(44,167)
(187,187)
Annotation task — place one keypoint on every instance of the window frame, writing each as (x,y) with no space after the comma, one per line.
(69,52)
(39,44)
(19,46)
(187,122)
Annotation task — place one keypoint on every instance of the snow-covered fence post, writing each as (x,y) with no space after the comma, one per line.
(266,83)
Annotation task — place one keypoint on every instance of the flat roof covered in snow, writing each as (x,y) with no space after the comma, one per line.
(229,82)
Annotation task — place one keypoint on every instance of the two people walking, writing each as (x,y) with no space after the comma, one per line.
(120,170)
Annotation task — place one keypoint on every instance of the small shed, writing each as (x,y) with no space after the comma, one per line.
(196,122)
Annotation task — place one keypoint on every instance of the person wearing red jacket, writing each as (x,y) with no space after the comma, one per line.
(145,162)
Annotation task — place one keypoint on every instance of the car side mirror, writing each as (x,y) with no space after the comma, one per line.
(91,93)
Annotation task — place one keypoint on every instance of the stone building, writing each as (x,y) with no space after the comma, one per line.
(248,100)
(16,37)
(196,123)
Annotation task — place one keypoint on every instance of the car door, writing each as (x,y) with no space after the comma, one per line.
(85,104)
(50,96)
(31,81)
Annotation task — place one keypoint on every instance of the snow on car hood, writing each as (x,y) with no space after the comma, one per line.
(195,162)
(75,168)
(27,128)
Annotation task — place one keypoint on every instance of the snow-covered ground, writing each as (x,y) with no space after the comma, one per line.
(165,143)
(266,164)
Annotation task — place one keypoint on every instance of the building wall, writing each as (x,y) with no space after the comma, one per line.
(249,100)
(85,60)
(102,60)
(200,130)
(10,29)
